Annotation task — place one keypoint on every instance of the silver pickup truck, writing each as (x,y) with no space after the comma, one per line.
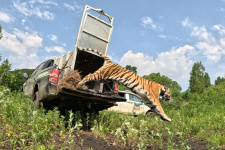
(133,104)
(42,83)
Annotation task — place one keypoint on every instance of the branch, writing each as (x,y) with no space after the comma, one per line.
(3,75)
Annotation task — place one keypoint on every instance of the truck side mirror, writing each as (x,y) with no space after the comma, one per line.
(25,75)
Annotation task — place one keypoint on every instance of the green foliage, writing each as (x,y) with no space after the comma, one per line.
(5,65)
(4,68)
(199,79)
(123,88)
(207,80)
(132,68)
(14,79)
(164,80)
(217,90)
(25,127)
(219,80)
(193,115)
(1,33)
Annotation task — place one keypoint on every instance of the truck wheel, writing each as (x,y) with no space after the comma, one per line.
(150,113)
(36,99)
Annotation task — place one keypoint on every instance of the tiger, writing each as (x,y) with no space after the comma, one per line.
(148,90)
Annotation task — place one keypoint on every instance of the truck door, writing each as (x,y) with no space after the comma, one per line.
(137,106)
(32,80)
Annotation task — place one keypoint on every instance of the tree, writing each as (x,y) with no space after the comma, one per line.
(199,79)
(16,78)
(0,32)
(132,68)
(207,80)
(219,80)
(164,80)
(4,68)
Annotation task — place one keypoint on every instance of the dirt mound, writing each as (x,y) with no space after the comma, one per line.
(70,81)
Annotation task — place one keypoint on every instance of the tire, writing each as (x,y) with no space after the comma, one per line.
(150,113)
(36,99)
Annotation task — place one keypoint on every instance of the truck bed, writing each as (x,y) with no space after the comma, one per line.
(84,99)
(88,95)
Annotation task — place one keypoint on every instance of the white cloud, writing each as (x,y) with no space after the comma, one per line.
(55,49)
(73,7)
(208,44)
(30,61)
(147,22)
(220,28)
(201,33)
(212,51)
(162,36)
(222,9)
(4,17)
(187,23)
(54,38)
(212,47)
(23,21)
(20,43)
(33,8)
(175,64)
(21,48)
(43,2)
(221,71)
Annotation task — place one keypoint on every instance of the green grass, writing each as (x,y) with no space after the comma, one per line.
(24,125)
(202,116)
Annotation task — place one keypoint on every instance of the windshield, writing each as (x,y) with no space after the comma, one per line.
(134,98)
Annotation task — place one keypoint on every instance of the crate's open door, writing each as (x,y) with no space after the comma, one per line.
(94,32)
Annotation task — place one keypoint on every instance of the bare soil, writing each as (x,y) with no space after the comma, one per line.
(84,140)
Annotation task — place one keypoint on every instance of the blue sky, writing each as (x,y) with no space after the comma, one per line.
(153,35)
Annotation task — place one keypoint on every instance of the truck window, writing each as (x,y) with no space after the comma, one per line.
(37,69)
(134,98)
(49,63)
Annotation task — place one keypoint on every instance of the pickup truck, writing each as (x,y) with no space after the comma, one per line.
(133,104)
(42,83)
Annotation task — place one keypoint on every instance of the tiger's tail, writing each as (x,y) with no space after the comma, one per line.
(98,52)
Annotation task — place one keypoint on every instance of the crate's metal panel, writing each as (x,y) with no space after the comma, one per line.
(89,41)
(97,27)
(93,33)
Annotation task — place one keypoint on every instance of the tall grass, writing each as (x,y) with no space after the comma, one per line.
(23,125)
(193,115)
(202,116)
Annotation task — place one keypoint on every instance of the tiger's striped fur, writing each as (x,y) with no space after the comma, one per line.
(148,90)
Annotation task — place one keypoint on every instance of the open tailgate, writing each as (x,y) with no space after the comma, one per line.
(87,95)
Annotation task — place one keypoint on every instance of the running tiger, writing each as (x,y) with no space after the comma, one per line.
(149,91)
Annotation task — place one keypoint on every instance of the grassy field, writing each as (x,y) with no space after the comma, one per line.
(193,116)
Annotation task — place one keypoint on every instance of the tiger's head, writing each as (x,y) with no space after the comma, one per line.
(165,94)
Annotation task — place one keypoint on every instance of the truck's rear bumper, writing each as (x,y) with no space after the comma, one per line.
(76,98)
